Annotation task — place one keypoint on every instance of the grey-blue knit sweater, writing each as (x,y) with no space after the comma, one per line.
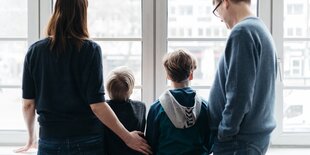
(242,97)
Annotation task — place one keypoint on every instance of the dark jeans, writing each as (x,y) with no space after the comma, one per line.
(236,146)
(90,145)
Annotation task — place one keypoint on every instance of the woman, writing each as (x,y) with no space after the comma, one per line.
(63,83)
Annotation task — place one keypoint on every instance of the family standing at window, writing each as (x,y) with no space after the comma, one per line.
(63,83)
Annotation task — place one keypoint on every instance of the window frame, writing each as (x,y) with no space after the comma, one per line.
(14,137)
(279,137)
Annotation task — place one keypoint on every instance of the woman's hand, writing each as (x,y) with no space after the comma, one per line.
(136,141)
(30,145)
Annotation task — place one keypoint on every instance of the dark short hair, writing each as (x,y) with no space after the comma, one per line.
(120,83)
(179,64)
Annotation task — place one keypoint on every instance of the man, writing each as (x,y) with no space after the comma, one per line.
(242,97)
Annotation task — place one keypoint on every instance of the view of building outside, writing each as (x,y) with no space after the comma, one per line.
(13,46)
(117,26)
(296,66)
(200,32)
(118,30)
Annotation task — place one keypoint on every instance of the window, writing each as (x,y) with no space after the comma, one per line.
(13,45)
(294,9)
(293,92)
(206,44)
(125,29)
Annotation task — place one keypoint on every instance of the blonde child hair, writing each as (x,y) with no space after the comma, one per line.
(120,83)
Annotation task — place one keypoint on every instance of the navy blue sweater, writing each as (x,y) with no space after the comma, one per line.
(132,115)
(242,97)
(63,86)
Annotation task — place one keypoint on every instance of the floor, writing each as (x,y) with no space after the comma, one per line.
(8,150)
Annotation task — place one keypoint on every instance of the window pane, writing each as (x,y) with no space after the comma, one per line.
(207,55)
(296,66)
(136,95)
(117,18)
(11,61)
(11,116)
(122,53)
(195,19)
(296,110)
(204,93)
(296,18)
(13,19)
(296,63)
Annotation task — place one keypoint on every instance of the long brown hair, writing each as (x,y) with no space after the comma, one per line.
(68,23)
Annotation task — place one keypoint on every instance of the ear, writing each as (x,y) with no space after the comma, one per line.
(168,77)
(226,3)
(191,76)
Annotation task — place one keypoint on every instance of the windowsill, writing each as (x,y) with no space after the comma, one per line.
(8,150)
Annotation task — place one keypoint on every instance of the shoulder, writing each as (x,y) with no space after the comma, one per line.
(156,105)
(247,27)
(156,108)
(36,47)
(138,104)
(43,43)
(90,44)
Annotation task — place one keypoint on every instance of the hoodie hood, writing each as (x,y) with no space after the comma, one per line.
(181,116)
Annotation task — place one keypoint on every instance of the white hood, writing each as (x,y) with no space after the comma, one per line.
(180,116)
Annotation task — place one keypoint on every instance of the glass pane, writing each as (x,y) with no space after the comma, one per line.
(296,18)
(136,95)
(13,19)
(11,62)
(296,110)
(194,19)
(207,55)
(117,18)
(204,93)
(122,53)
(11,116)
(296,68)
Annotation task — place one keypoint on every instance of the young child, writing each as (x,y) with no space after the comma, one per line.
(177,123)
(120,84)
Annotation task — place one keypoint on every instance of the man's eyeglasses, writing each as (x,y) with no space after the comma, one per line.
(215,12)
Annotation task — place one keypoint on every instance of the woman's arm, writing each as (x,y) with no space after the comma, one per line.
(29,117)
(132,139)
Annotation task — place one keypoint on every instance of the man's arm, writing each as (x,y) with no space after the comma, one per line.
(241,60)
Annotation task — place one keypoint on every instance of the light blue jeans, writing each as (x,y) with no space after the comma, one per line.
(90,145)
(239,146)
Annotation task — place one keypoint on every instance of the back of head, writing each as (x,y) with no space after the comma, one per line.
(120,83)
(179,64)
(68,24)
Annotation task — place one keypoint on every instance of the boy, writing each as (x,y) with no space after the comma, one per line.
(177,122)
(120,84)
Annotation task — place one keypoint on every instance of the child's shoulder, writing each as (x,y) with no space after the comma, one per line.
(137,104)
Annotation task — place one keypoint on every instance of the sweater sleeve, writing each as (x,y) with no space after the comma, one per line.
(28,85)
(241,59)
(95,89)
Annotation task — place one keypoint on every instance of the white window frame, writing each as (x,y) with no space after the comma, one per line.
(279,137)
(18,137)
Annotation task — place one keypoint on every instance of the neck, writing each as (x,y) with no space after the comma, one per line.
(240,11)
(177,85)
